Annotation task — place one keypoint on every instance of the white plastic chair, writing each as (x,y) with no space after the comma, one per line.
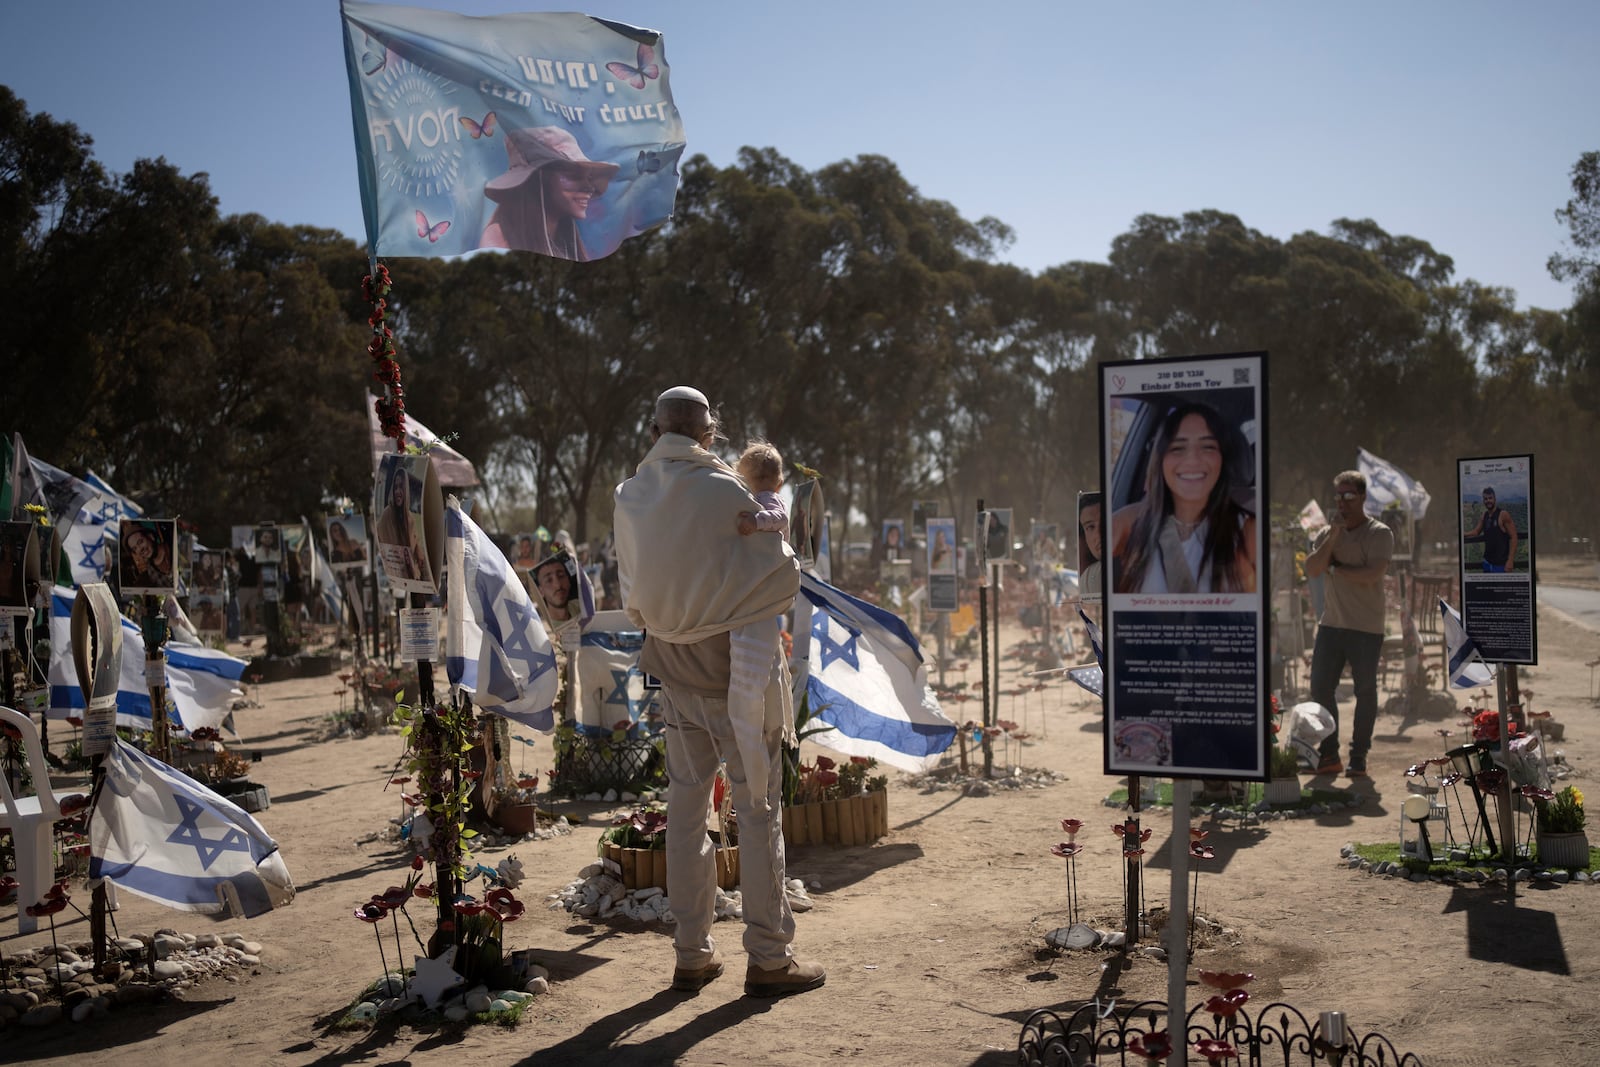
(31,820)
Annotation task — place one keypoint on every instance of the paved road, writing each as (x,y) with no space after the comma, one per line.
(1582,604)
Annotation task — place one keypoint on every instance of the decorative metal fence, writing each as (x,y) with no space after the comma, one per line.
(1276,1034)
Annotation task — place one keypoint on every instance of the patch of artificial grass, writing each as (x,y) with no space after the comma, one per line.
(1390,851)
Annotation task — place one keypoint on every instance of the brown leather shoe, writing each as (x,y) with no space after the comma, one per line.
(796,976)
(690,979)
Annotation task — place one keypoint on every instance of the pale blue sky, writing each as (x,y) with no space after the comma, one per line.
(1453,122)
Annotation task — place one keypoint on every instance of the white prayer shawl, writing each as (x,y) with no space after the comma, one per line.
(685,571)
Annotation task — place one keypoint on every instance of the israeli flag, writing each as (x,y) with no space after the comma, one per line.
(608,664)
(868,682)
(158,833)
(113,506)
(1389,486)
(201,682)
(1466,666)
(1092,676)
(502,653)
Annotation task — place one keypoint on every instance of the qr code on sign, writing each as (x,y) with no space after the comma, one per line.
(1241,376)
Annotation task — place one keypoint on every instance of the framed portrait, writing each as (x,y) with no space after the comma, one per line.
(554,585)
(894,538)
(347,542)
(147,557)
(210,572)
(1183,471)
(268,543)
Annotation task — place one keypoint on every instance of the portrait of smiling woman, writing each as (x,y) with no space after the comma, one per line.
(1189,534)
(548,187)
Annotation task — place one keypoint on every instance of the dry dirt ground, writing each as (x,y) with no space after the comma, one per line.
(933,936)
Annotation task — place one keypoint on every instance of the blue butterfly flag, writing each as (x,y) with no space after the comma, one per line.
(868,682)
(504,656)
(551,133)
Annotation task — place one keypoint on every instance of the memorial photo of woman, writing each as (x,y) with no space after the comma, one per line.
(1091,544)
(548,188)
(396,530)
(347,541)
(1189,534)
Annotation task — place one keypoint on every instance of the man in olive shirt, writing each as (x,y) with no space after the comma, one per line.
(1354,554)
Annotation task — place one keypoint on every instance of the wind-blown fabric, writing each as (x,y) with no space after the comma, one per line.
(868,682)
(1389,486)
(439,102)
(685,572)
(201,682)
(158,833)
(505,658)
(452,468)
(1465,666)
(1091,676)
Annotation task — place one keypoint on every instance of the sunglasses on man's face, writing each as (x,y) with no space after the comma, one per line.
(1348,494)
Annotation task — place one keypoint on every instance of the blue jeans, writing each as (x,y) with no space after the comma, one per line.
(1336,647)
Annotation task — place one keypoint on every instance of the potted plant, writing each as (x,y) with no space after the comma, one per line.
(837,803)
(1284,786)
(1562,841)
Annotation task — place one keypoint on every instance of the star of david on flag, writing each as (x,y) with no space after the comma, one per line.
(158,833)
(502,652)
(608,663)
(867,681)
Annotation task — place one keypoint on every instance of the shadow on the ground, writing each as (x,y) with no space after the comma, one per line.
(848,865)
(600,1041)
(132,1026)
(1498,931)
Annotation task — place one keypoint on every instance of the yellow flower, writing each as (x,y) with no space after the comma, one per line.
(1577,794)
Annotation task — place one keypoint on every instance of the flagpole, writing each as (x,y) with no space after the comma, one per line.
(983,635)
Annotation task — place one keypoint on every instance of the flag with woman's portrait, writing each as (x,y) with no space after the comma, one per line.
(547,132)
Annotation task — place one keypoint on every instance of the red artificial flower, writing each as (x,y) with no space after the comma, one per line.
(1197,834)
(826,778)
(1533,792)
(1226,1004)
(402,780)
(505,904)
(528,783)
(1066,849)
(48,906)
(1416,769)
(393,897)
(472,775)
(863,760)
(416,863)
(1214,1049)
(1491,780)
(1071,826)
(370,912)
(1226,980)
(1131,853)
(1152,1046)
(470,907)
(1202,852)
(825,764)
(424,889)
(7,884)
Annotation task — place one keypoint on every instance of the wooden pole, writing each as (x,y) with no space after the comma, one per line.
(1508,693)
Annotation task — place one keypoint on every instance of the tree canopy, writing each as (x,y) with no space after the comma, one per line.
(215,366)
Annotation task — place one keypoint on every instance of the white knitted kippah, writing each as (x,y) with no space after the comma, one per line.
(684,392)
